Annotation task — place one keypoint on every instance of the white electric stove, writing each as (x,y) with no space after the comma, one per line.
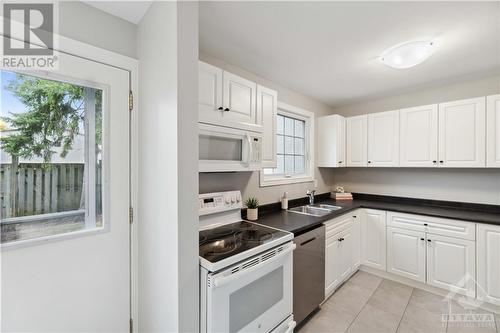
(245,270)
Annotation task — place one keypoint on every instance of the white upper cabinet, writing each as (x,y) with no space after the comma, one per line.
(209,92)
(331,141)
(419,136)
(383,139)
(267,111)
(357,141)
(462,133)
(227,99)
(493,132)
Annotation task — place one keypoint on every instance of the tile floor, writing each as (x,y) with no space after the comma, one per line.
(369,304)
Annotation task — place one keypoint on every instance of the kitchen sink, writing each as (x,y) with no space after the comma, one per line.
(330,207)
(310,210)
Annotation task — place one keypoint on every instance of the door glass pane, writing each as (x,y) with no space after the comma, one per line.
(51,157)
(217,148)
(248,303)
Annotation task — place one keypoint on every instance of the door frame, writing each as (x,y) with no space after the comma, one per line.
(93,53)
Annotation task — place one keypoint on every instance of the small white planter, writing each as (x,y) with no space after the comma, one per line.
(252,214)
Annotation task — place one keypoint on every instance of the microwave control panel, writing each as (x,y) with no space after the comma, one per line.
(218,202)
(256,143)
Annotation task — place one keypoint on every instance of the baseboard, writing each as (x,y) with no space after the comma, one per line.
(431,289)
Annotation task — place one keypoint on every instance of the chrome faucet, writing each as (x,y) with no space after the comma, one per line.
(310,194)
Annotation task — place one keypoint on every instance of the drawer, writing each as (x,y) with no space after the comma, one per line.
(338,224)
(434,225)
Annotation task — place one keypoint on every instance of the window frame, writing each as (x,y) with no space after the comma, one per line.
(309,139)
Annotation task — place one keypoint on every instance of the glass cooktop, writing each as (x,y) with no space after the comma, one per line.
(225,241)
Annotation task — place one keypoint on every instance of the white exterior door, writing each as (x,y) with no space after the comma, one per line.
(451,264)
(488,263)
(462,133)
(267,111)
(210,108)
(406,253)
(373,244)
(493,132)
(357,141)
(239,97)
(419,136)
(383,139)
(80,281)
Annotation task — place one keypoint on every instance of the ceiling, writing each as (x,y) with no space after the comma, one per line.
(329,50)
(132,11)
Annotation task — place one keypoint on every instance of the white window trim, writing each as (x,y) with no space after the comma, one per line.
(295,112)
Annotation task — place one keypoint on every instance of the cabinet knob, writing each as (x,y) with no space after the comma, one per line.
(340,162)
(425,224)
(434,162)
(429,240)
(220,108)
(226,109)
(354,216)
(369,162)
(441,162)
(422,239)
(341,239)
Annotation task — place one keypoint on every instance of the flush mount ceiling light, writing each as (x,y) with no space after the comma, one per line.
(408,54)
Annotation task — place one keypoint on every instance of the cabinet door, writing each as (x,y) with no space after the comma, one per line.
(451,264)
(462,133)
(373,235)
(346,254)
(488,263)
(209,93)
(332,267)
(357,141)
(331,141)
(356,238)
(406,253)
(493,132)
(239,102)
(419,136)
(383,139)
(267,111)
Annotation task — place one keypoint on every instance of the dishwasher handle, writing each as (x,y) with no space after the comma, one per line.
(308,241)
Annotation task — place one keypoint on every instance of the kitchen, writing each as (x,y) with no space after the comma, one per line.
(282,167)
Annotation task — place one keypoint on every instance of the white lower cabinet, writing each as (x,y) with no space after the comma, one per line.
(406,253)
(373,239)
(451,264)
(488,263)
(342,250)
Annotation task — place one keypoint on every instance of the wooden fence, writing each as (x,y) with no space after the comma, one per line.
(40,190)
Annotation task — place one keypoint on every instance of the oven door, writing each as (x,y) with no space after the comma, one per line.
(257,297)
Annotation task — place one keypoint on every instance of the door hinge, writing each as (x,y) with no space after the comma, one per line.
(131,325)
(131,215)
(130,101)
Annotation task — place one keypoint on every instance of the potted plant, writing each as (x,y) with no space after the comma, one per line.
(252,204)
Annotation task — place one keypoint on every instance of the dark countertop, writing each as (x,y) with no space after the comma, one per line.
(299,223)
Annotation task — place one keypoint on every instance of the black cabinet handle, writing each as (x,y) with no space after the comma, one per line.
(434,162)
(425,224)
(354,217)
(422,239)
(340,162)
(441,162)
(340,239)
(307,241)
(226,109)
(429,240)
(220,108)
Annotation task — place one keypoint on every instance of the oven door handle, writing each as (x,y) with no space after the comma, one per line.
(291,326)
(223,280)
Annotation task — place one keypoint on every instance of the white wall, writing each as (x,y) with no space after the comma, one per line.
(90,25)
(168,219)
(470,185)
(248,182)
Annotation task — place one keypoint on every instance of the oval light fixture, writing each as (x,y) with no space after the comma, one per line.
(408,54)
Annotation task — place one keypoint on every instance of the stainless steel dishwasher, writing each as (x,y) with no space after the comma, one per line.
(308,272)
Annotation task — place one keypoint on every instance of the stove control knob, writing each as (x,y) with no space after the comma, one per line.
(238,198)
(228,200)
(233,200)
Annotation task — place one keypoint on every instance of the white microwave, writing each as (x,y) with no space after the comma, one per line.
(223,149)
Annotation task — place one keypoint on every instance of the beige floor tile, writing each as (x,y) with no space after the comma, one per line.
(430,302)
(372,319)
(365,281)
(350,298)
(418,319)
(328,320)
(391,297)
(497,322)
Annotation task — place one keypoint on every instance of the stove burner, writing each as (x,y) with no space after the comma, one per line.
(256,236)
(225,245)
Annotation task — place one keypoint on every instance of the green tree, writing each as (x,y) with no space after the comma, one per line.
(54,114)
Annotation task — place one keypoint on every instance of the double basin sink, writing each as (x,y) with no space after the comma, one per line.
(314,210)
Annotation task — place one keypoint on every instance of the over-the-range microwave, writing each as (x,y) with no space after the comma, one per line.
(224,149)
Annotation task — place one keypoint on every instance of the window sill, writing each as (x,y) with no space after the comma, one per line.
(270,181)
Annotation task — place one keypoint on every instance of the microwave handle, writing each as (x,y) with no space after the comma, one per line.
(246,161)
(222,281)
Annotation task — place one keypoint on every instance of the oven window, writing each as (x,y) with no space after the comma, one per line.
(254,299)
(216,148)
